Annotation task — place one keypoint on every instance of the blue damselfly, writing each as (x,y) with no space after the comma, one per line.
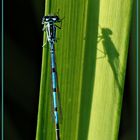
(50,26)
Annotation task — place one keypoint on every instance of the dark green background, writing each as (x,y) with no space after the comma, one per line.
(22,66)
(23,54)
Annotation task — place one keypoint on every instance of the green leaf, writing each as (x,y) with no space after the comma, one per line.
(91,56)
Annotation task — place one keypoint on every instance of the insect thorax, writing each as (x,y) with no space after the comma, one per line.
(51,32)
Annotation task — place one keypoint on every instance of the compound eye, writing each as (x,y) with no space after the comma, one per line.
(47,19)
(54,19)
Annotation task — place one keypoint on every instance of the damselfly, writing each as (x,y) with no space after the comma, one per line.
(50,26)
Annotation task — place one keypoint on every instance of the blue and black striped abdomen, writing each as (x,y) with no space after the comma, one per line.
(54,89)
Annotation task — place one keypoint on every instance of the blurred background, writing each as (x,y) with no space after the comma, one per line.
(23,55)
